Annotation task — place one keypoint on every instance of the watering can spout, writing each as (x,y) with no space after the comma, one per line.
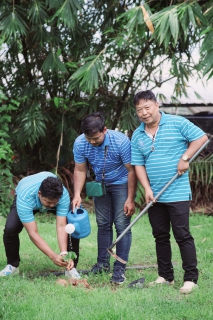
(77,228)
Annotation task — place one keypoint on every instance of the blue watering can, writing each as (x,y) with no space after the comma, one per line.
(80,219)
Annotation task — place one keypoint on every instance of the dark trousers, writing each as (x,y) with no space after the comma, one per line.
(12,229)
(175,214)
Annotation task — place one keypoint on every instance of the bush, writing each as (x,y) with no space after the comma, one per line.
(6,155)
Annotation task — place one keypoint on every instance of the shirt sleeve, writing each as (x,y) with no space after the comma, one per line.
(125,151)
(190,131)
(24,210)
(137,158)
(62,207)
(78,156)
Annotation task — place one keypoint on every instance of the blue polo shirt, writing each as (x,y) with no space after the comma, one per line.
(171,141)
(27,197)
(119,154)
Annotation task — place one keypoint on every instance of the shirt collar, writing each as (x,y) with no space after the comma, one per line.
(105,142)
(38,202)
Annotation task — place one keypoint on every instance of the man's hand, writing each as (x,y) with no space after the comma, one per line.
(76,202)
(183,166)
(69,263)
(129,207)
(32,230)
(58,260)
(149,196)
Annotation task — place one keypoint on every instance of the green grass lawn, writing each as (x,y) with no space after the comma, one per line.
(32,296)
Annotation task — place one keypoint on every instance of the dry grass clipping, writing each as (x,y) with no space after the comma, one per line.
(73,282)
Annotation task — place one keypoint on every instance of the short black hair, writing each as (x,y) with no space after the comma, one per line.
(144,95)
(51,188)
(93,123)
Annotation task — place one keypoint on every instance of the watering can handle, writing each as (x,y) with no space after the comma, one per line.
(76,209)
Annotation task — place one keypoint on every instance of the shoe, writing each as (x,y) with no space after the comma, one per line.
(161,280)
(188,287)
(118,276)
(9,270)
(73,273)
(99,268)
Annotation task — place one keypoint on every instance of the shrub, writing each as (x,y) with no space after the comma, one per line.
(6,154)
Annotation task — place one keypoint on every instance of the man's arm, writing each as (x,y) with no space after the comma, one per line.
(193,147)
(79,177)
(143,179)
(129,206)
(39,242)
(61,233)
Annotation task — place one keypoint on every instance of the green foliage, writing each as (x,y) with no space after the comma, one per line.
(201,177)
(6,153)
(64,59)
(32,126)
(140,196)
(88,75)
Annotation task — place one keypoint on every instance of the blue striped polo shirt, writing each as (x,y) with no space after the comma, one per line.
(171,141)
(119,153)
(27,197)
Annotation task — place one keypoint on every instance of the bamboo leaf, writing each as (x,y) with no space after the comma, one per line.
(147,19)
(199,96)
(67,13)
(191,15)
(208,62)
(184,20)
(37,12)
(52,62)
(174,65)
(198,14)
(207,30)
(164,26)
(174,25)
(56,101)
(88,75)
(12,24)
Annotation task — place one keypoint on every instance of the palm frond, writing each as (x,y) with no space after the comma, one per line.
(67,13)
(12,22)
(89,74)
(52,62)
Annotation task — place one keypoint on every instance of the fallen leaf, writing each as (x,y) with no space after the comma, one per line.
(62,282)
(73,282)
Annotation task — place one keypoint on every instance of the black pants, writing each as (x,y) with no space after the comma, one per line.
(12,229)
(176,214)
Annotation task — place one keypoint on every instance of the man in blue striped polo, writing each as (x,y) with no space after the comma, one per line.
(162,146)
(38,192)
(109,154)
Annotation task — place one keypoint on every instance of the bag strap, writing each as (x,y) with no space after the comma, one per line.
(88,171)
(105,155)
(103,173)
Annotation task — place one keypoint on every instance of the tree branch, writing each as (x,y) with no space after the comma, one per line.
(128,85)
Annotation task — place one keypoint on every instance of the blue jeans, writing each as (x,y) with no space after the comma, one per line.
(109,209)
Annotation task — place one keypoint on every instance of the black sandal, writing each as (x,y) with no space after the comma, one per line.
(137,283)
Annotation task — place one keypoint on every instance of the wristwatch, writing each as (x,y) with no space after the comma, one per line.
(185,158)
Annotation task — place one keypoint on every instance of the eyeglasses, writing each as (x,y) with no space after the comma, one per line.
(91,138)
